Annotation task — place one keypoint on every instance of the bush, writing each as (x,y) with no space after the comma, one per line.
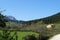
(30,37)
(42,37)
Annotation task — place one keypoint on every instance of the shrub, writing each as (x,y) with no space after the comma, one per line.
(30,37)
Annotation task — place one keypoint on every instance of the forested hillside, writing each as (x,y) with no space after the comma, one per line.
(50,19)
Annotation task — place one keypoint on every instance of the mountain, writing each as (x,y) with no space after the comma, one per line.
(50,19)
(11,18)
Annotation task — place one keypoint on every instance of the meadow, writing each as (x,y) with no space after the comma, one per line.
(21,34)
(37,28)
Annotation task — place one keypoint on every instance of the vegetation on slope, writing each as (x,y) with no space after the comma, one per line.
(51,19)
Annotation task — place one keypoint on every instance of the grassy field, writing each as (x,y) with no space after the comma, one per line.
(23,34)
(38,28)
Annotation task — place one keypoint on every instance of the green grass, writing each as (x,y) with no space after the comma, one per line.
(22,34)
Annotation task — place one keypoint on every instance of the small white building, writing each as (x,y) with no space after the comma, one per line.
(50,26)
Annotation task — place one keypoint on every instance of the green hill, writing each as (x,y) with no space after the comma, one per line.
(50,19)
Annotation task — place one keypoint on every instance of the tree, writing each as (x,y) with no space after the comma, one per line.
(2,21)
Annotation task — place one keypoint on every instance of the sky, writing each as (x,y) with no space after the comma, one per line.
(29,9)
